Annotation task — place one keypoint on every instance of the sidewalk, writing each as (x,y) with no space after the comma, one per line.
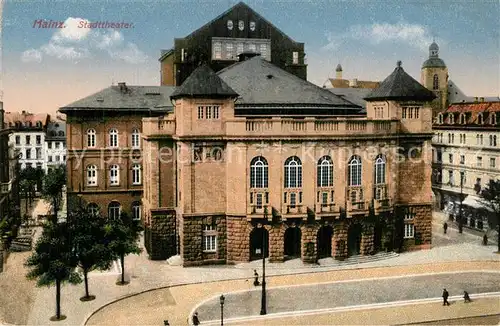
(178,302)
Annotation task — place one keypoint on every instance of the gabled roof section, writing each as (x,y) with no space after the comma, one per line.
(259,82)
(399,86)
(203,82)
(165,53)
(125,98)
(240,4)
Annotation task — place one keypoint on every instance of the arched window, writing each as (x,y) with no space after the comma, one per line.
(259,173)
(39,124)
(114,210)
(354,177)
(293,172)
(493,118)
(61,133)
(91,175)
(480,118)
(136,138)
(325,172)
(380,170)
(113,138)
(91,138)
(93,208)
(451,119)
(440,118)
(114,175)
(136,174)
(462,118)
(435,82)
(136,210)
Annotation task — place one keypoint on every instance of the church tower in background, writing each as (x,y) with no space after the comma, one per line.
(434,77)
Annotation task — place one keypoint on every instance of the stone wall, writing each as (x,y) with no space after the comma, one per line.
(276,242)
(238,239)
(309,243)
(367,245)
(339,250)
(159,237)
(192,237)
(423,224)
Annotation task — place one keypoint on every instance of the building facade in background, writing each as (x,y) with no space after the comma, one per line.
(466,157)
(55,144)
(221,41)
(28,137)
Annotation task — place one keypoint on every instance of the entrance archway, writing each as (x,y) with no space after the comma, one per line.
(292,242)
(354,239)
(258,238)
(324,239)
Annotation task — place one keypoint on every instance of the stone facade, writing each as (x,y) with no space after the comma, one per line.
(160,236)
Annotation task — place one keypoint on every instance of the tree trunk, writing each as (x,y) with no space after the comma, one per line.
(86,279)
(58,299)
(122,261)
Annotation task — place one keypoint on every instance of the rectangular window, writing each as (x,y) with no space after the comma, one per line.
(462,159)
(259,200)
(38,140)
(492,162)
(92,176)
(450,157)
(18,140)
(136,212)
(263,51)
(28,140)
(28,153)
(216,112)
(295,58)
(50,158)
(217,50)
(229,51)
(410,113)
(200,112)
(409,231)
(403,113)
(450,177)
(209,238)
(136,174)
(324,198)
(479,161)
(114,179)
(38,153)
(417,112)
(293,199)
(480,139)
(58,158)
(208,112)
(49,145)
(439,156)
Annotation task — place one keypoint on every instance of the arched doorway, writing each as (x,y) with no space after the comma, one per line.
(324,239)
(292,242)
(354,239)
(259,237)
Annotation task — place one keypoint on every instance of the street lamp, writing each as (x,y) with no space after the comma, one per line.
(222,298)
(263,309)
(460,217)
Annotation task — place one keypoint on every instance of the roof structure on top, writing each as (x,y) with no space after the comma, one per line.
(261,83)
(125,98)
(203,82)
(400,86)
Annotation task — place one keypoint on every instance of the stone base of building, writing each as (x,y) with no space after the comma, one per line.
(160,235)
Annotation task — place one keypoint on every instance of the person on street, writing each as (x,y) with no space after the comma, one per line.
(445,298)
(466,297)
(166,323)
(196,321)
(445,227)
(256,275)
(485,240)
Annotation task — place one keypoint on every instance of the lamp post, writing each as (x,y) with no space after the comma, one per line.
(222,298)
(263,309)
(460,217)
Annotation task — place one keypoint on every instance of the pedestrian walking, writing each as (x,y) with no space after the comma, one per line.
(485,240)
(196,321)
(445,298)
(466,297)
(166,323)
(445,227)
(256,280)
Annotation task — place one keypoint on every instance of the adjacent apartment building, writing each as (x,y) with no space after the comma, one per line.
(466,156)
(55,144)
(220,42)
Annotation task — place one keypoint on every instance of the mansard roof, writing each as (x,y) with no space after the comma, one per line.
(399,86)
(261,83)
(203,82)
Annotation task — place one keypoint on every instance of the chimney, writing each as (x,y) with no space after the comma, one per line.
(123,87)
(353,83)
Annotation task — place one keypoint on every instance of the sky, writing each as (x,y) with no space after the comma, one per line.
(43,69)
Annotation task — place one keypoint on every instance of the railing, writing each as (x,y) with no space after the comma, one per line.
(158,126)
(294,209)
(258,202)
(383,204)
(357,206)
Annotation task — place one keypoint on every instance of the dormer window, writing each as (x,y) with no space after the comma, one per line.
(451,119)
(462,118)
(480,119)
(440,118)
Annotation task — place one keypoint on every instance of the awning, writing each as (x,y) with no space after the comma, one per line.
(475,202)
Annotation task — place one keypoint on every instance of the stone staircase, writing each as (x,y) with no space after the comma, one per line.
(24,240)
(358,259)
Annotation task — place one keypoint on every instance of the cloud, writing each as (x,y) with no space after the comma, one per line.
(74,43)
(377,33)
(31,55)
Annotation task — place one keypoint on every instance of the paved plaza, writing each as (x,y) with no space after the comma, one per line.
(146,275)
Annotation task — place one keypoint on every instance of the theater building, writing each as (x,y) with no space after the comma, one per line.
(254,159)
